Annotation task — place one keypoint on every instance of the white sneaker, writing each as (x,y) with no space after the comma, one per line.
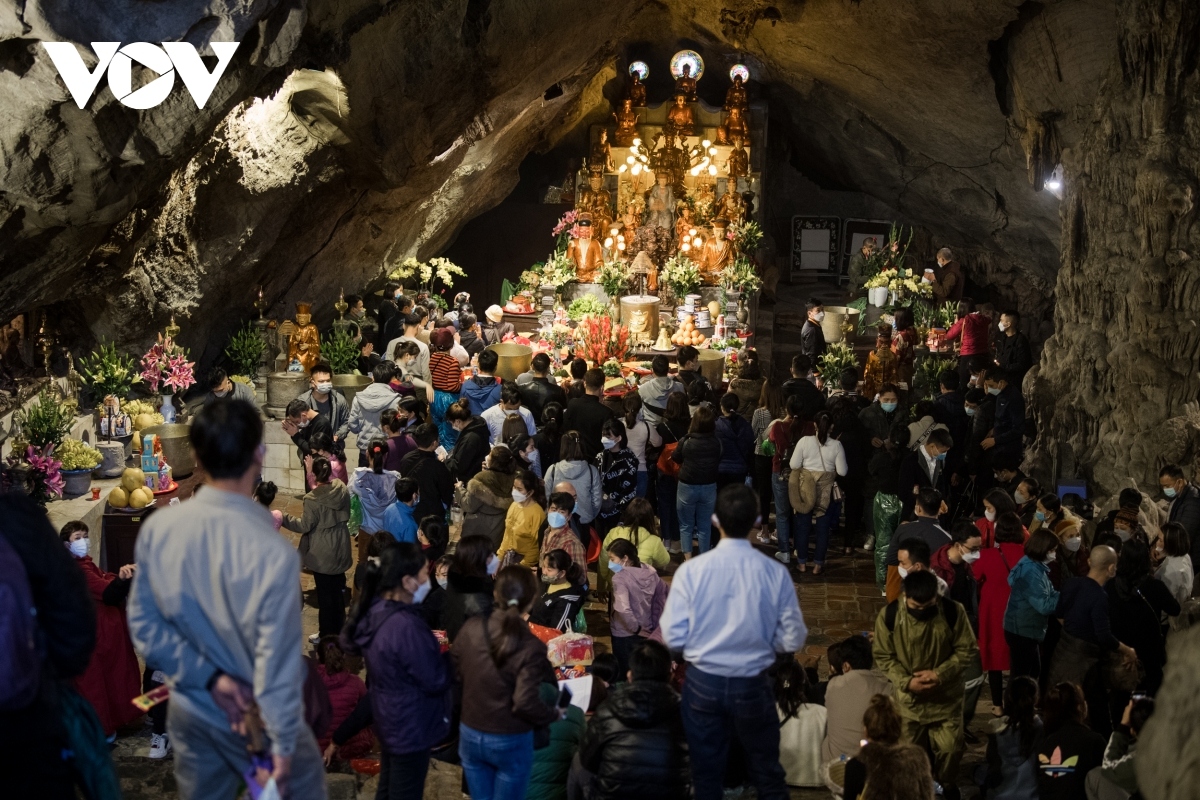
(314,638)
(675,548)
(160,745)
(784,558)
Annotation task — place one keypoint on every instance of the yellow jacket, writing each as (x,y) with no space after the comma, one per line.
(651,550)
(521,525)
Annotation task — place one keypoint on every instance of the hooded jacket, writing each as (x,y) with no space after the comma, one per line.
(375,493)
(410,676)
(655,392)
(639,597)
(482,392)
(737,444)
(469,451)
(588,486)
(324,538)
(635,745)
(485,504)
(1031,601)
(364,414)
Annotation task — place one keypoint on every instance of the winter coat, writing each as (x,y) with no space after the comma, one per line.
(339,417)
(324,538)
(991,573)
(1009,423)
(471,448)
(1032,600)
(503,699)
(737,445)
(1014,355)
(466,596)
(434,483)
(482,392)
(364,413)
(399,521)
(538,392)
(974,329)
(589,487)
(618,480)
(113,677)
(375,492)
(800,744)
(552,763)
(558,608)
(1185,509)
(651,551)
(635,745)
(698,454)
(521,526)
(639,597)
(587,415)
(1010,775)
(654,393)
(812,401)
(345,690)
(485,503)
(410,677)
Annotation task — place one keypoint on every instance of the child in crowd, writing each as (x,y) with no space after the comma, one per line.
(265,493)
(345,690)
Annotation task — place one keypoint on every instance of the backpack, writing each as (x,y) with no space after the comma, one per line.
(949,611)
(20,662)
(514,425)
(667,465)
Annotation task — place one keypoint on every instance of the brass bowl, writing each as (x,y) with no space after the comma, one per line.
(176,447)
(514,359)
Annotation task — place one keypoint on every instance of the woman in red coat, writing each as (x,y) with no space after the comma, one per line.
(995,502)
(112,678)
(975,351)
(991,573)
(345,690)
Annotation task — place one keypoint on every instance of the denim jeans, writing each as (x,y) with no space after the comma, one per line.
(496,765)
(695,505)
(783,513)
(643,479)
(668,520)
(715,709)
(804,525)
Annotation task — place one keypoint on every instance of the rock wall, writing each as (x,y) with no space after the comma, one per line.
(1111,393)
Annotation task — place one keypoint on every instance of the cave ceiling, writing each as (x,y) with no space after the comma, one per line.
(347,134)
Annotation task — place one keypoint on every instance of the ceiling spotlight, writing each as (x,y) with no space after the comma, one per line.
(1054,182)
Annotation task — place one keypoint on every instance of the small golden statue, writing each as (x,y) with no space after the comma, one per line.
(735,96)
(738,165)
(626,119)
(596,200)
(585,252)
(734,127)
(716,253)
(637,91)
(305,342)
(685,84)
(631,221)
(731,206)
(680,120)
(602,153)
(684,226)
(660,202)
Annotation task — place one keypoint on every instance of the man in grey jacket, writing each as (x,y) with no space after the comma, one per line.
(324,399)
(654,391)
(215,605)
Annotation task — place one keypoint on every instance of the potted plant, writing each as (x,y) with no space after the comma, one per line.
(341,352)
(39,472)
(611,277)
(681,276)
(165,368)
(44,423)
(245,350)
(78,461)
(837,357)
(107,372)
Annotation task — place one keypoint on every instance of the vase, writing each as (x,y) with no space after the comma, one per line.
(168,409)
(76,482)
(878,296)
(743,313)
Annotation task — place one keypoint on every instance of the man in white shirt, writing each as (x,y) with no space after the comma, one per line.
(509,406)
(412,326)
(730,612)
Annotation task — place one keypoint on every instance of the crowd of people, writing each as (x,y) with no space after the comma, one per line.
(685,517)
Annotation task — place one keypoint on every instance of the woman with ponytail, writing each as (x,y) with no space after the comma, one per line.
(822,455)
(502,665)
(375,488)
(410,677)
(325,544)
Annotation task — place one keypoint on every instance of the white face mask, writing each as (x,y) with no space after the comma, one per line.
(1122,534)
(1073,544)
(324,387)
(1051,556)
(903,572)
(422,592)
(1003,326)
(971,558)
(519,497)
(78,548)
(493,564)
(607,443)
(990,516)
(820,315)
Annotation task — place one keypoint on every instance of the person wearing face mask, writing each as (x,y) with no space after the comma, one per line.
(1026,495)
(1032,600)
(1054,517)
(386,317)
(221,387)
(980,408)
(508,417)
(812,339)
(325,544)
(925,468)
(1175,571)
(975,350)
(112,678)
(1137,603)
(1013,353)
(524,518)
(924,644)
(324,399)
(1184,498)
(411,679)
(565,589)
(995,503)
(487,497)
(469,582)
(399,520)
(1008,428)
(638,599)
(952,563)
(558,534)
(618,475)
(991,572)
(928,506)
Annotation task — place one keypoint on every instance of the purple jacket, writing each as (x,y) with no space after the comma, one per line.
(410,677)
(639,597)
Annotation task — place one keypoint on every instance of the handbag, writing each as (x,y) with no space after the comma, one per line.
(666,464)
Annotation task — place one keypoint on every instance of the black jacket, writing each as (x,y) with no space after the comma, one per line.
(635,745)
(812,344)
(1014,355)
(812,401)
(389,323)
(537,393)
(587,415)
(912,473)
(979,461)
(471,343)
(466,597)
(558,609)
(469,451)
(433,480)
(318,424)
(699,455)
(948,409)
(1009,425)
(928,530)
(1185,509)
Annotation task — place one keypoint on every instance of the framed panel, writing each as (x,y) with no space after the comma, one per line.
(815,245)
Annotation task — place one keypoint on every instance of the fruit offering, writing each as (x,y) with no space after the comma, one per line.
(139,497)
(687,334)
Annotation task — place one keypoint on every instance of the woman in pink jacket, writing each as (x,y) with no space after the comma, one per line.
(638,599)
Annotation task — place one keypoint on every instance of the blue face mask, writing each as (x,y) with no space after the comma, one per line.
(888,407)
(1040,516)
(556,519)
(1169,491)
(941,456)
(422,592)
(992,390)
(614,567)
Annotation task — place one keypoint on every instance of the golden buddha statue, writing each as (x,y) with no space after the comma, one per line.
(596,200)
(685,84)
(683,225)
(731,206)
(735,96)
(734,126)
(602,153)
(631,221)
(585,252)
(626,119)
(738,165)
(637,91)
(716,253)
(680,119)
(305,343)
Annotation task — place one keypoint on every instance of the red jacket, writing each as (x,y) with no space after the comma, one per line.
(112,678)
(345,689)
(974,328)
(987,532)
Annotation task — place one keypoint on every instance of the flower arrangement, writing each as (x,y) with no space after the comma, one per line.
(611,276)
(745,237)
(559,334)
(739,275)
(881,279)
(165,366)
(565,230)
(925,377)
(45,423)
(428,274)
(584,306)
(837,357)
(75,455)
(681,275)
(612,369)
(530,280)
(108,372)
(598,340)
(245,350)
(558,271)
(339,350)
(44,480)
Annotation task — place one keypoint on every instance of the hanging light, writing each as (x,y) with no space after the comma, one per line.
(712,169)
(622,168)
(705,144)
